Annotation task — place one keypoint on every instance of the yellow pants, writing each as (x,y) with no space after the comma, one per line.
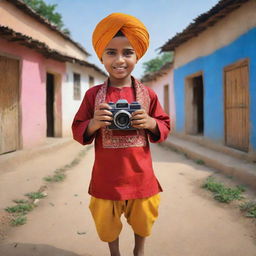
(140,214)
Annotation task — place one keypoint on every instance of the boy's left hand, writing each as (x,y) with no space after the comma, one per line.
(141,120)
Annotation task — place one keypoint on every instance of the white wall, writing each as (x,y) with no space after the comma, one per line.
(69,105)
(158,86)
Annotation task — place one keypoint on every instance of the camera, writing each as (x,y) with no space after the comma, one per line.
(122,111)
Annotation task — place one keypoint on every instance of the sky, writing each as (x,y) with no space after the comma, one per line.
(163,19)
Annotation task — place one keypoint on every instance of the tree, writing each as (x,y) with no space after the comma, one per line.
(48,11)
(156,64)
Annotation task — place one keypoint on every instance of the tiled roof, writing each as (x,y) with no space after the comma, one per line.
(202,22)
(153,76)
(12,36)
(28,10)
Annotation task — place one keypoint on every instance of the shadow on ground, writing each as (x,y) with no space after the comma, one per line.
(18,249)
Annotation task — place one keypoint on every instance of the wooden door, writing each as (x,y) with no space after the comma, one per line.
(166,99)
(237,107)
(9,104)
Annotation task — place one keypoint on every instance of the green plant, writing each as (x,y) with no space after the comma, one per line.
(222,193)
(74,162)
(20,208)
(19,220)
(57,177)
(199,161)
(20,201)
(35,195)
(249,208)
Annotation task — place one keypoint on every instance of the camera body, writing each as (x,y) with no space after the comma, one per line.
(122,111)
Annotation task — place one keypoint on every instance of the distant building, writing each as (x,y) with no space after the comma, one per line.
(161,82)
(215,76)
(43,77)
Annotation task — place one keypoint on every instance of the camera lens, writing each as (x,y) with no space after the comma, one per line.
(122,119)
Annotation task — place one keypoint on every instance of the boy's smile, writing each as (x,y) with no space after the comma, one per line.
(119,59)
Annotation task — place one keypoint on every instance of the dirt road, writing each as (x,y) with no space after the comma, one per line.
(190,222)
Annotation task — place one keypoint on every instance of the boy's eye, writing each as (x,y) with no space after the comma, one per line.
(128,52)
(111,52)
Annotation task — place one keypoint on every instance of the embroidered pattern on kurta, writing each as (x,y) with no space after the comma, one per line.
(138,140)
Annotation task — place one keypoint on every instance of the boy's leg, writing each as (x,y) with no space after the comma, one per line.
(114,248)
(141,214)
(106,215)
(139,245)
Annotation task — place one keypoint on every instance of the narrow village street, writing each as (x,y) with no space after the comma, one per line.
(191,223)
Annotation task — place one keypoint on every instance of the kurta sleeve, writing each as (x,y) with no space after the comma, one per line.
(82,119)
(163,120)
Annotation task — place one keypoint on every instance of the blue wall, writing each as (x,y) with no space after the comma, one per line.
(212,67)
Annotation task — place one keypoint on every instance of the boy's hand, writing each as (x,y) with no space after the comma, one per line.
(141,120)
(102,117)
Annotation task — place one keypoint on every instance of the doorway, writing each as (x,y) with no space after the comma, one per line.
(194,105)
(50,105)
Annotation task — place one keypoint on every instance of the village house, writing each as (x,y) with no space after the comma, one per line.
(215,78)
(43,77)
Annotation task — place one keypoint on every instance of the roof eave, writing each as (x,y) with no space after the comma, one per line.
(202,22)
(28,10)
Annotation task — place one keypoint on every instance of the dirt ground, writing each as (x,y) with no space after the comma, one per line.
(191,223)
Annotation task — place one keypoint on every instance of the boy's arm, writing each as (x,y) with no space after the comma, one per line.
(82,119)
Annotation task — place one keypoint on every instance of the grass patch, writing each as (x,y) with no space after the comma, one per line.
(249,208)
(57,177)
(19,220)
(59,173)
(20,201)
(222,193)
(74,162)
(19,211)
(35,195)
(200,162)
(20,208)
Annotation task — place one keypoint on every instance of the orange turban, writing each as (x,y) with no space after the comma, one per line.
(131,27)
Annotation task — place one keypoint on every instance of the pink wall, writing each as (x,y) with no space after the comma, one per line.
(33,68)
(158,86)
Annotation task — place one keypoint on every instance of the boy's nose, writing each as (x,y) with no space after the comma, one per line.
(119,58)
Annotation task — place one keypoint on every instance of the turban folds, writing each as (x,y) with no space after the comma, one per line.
(133,29)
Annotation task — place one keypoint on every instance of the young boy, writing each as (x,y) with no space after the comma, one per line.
(123,179)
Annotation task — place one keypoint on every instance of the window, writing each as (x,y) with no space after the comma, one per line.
(91,81)
(77,86)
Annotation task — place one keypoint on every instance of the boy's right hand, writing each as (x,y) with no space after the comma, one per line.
(102,116)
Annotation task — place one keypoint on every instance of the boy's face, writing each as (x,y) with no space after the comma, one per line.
(119,58)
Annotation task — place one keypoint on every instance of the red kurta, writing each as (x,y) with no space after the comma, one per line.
(124,172)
